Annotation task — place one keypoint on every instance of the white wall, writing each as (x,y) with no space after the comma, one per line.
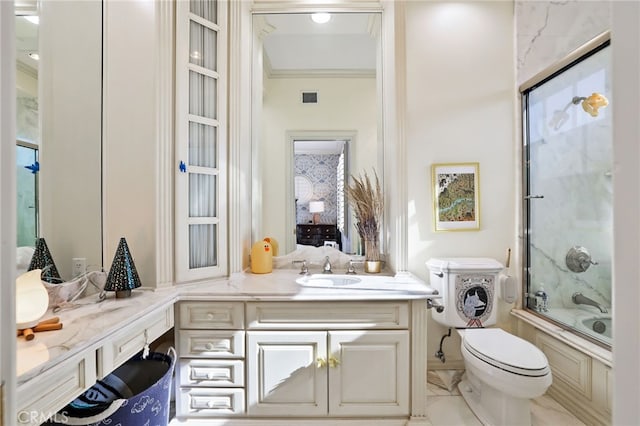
(460,108)
(345,104)
(130,144)
(626,133)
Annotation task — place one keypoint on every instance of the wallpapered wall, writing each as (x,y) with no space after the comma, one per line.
(321,170)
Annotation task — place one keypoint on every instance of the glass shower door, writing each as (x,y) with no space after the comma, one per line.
(568,195)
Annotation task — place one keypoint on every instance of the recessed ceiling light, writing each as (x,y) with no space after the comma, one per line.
(34,19)
(321,18)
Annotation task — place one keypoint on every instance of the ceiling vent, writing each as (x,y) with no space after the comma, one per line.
(309,97)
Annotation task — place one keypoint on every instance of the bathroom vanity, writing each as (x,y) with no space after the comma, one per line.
(252,349)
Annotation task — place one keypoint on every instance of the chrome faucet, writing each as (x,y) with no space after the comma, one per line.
(326,268)
(351,270)
(304,269)
(580,299)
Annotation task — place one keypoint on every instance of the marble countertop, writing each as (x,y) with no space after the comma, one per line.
(92,322)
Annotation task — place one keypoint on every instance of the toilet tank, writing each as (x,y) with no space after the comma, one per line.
(469,290)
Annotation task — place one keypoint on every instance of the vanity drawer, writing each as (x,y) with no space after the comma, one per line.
(211,315)
(211,344)
(211,372)
(318,315)
(132,340)
(55,388)
(208,402)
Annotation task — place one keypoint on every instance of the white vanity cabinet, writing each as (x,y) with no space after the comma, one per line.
(282,360)
(327,359)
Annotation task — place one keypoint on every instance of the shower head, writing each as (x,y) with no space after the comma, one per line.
(559,118)
(590,105)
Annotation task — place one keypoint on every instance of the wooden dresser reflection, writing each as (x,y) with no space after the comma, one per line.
(316,235)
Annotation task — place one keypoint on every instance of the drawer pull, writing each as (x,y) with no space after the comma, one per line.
(210,316)
(210,374)
(211,402)
(220,345)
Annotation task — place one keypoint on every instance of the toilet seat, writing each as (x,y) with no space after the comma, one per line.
(506,352)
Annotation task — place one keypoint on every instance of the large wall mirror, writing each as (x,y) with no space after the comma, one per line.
(316,115)
(59,129)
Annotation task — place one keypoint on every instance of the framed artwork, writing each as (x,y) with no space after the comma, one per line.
(456,196)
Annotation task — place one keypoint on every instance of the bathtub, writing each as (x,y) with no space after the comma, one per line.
(580,358)
(590,322)
(577,329)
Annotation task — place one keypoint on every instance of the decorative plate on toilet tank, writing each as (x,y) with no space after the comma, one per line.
(474,298)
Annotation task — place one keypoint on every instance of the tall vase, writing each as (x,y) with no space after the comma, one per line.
(372,262)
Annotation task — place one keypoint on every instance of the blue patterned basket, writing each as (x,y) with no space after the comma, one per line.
(136,393)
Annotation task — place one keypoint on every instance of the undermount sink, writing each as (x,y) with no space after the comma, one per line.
(600,325)
(327,280)
(400,284)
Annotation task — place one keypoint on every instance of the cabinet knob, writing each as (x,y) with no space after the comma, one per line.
(210,316)
(333,362)
(210,346)
(321,362)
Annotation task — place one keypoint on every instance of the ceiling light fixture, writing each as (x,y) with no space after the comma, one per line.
(321,17)
(34,56)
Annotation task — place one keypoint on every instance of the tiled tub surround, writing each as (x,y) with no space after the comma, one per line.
(97,337)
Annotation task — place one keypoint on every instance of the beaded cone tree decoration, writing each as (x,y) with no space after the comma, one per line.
(123,276)
(42,259)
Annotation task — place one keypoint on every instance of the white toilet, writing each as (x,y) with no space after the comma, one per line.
(503,371)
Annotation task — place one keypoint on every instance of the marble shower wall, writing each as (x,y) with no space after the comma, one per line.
(574,162)
(322,171)
(547,31)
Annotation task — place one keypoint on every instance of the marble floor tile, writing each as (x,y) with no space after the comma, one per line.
(450,411)
(546,411)
(444,409)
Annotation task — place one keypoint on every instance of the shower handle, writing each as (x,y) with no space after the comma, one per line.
(578,259)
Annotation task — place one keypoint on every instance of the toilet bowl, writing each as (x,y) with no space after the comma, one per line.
(502,374)
(502,371)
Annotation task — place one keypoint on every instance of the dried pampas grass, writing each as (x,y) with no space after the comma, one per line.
(367,202)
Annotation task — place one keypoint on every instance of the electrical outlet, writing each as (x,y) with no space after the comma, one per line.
(78,266)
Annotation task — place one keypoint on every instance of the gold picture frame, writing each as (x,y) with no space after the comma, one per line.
(456,196)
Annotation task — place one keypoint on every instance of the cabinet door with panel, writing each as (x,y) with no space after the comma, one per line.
(334,373)
(286,373)
(369,373)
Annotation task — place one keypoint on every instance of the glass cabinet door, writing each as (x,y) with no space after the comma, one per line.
(200,139)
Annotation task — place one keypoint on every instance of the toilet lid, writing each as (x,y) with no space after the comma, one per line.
(506,351)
